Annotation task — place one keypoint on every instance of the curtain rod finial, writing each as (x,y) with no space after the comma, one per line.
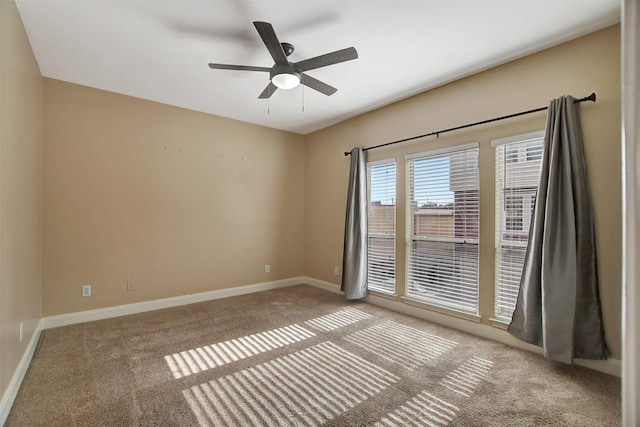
(346,153)
(591,97)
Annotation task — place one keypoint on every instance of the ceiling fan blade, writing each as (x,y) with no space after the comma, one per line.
(316,84)
(327,59)
(268,91)
(238,67)
(271,41)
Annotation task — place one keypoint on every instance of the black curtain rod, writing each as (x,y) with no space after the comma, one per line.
(591,97)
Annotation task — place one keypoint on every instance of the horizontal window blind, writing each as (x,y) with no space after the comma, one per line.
(517,178)
(381,268)
(443,223)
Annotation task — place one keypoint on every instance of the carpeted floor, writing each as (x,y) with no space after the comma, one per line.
(298,356)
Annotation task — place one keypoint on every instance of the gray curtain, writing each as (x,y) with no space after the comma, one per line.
(354,258)
(558,306)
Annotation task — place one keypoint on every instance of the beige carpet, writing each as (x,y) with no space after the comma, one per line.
(298,356)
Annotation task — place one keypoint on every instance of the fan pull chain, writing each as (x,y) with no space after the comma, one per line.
(269,97)
(303,93)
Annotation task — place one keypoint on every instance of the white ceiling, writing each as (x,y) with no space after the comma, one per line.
(159,50)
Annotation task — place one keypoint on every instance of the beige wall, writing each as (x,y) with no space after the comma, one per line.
(176,201)
(20,191)
(591,63)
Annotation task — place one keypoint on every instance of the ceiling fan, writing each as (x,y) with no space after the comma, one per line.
(285,74)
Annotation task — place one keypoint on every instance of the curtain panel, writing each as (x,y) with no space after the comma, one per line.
(558,305)
(354,258)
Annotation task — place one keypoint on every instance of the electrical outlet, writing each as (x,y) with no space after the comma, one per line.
(21,331)
(267,268)
(86,290)
(131,285)
(336,271)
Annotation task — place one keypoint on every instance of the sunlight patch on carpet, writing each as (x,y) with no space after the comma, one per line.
(308,387)
(465,378)
(425,409)
(207,357)
(401,344)
(338,319)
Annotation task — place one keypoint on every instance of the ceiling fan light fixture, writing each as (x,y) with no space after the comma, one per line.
(286,80)
(285,76)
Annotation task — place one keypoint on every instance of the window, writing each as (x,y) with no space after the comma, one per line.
(516,189)
(443,219)
(381,180)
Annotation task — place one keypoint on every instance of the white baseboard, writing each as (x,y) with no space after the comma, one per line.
(16,381)
(141,307)
(609,366)
(322,285)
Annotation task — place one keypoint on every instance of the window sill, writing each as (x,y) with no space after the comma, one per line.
(450,312)
(499,323)
(392,297)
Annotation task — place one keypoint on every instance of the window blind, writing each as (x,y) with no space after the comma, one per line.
(517,178)
(443,223)
(381,268)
